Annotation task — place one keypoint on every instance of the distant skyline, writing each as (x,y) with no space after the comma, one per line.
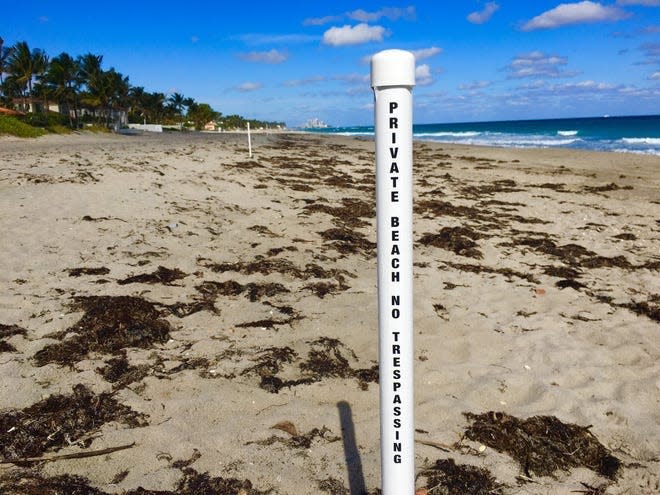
(296,60)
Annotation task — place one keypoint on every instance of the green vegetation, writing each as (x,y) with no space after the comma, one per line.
(86,93)
(14,127)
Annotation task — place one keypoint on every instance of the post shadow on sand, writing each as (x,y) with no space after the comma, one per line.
(351,453)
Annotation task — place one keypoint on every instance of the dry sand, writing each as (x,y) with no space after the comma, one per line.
(536,294)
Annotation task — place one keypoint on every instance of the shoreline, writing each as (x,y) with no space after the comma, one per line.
(249,286)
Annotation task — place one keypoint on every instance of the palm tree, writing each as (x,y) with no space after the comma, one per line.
(176,101)
(5,53)
(63,79)
(24,65)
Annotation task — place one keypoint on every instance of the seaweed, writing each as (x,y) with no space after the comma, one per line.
(192,483)
(59,421)
(109,324)
(299,441)
(118,372)
(253,291)
(507,272)
(450,478)
(77,272)
(459,240)
(573,284)
(348,241)
(8,331)
(162,275)
(542,445)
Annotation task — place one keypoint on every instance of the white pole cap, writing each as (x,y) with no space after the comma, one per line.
(392,68)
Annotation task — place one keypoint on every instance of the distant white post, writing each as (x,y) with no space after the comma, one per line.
(249,140)
(392,78)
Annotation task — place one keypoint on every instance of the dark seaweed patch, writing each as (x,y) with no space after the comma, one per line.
(162,275)
(8,331)
(347,241)
(253,291)
(77,272)
(120,373)
(60,420)
(300,441)
(456,239)
(561,272)
(192,483)
(449,478)
(507,272)
(573,284)
(110,324)
(542,445)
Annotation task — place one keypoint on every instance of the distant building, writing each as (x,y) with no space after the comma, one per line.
(315,124)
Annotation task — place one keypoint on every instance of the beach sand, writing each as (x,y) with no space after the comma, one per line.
(218,313)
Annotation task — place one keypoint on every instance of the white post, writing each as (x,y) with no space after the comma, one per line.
(392,78)
(249,141)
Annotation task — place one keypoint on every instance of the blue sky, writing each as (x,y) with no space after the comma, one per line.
(295,60)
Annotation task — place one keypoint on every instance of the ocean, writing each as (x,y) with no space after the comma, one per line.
(640,134)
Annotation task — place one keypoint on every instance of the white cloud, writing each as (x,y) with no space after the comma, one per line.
(588,85)
(270,57)
(304,82)
(655,76)
(248,86)
(271,39)
(320,21)
(574,13)
(538,64)
(391,13)
(646,3)
(44,19)
(353,35)
(194,38)
(423,75)
(423,53)
(483,16)
(474,85)
(360,15)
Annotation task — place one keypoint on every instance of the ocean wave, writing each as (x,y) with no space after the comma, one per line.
(649,151)
(567,133)
(645,140)
(447,134)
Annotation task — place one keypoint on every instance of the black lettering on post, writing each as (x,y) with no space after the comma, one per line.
(396,349)
(393,106)
(395,235)
(395,250)
(394,168)
(396,300)
(394,152)
(396,313)
(395,277)
(395,196)
(397,447)
(394,138)
(394,123)
(394,221)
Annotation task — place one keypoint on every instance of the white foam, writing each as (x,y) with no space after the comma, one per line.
(567,133)
(644,140)
(448,134)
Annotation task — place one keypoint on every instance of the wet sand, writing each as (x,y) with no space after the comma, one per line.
(213,317)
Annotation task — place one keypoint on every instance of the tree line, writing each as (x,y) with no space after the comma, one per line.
(85,91)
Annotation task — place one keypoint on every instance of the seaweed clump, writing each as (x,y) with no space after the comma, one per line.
(460,479)
(192,483)
(110,324)
(459,240)
(8,331)
(542,445)
(161,275)
(59,421)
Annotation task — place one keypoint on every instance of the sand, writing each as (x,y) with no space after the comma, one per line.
(536,294)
